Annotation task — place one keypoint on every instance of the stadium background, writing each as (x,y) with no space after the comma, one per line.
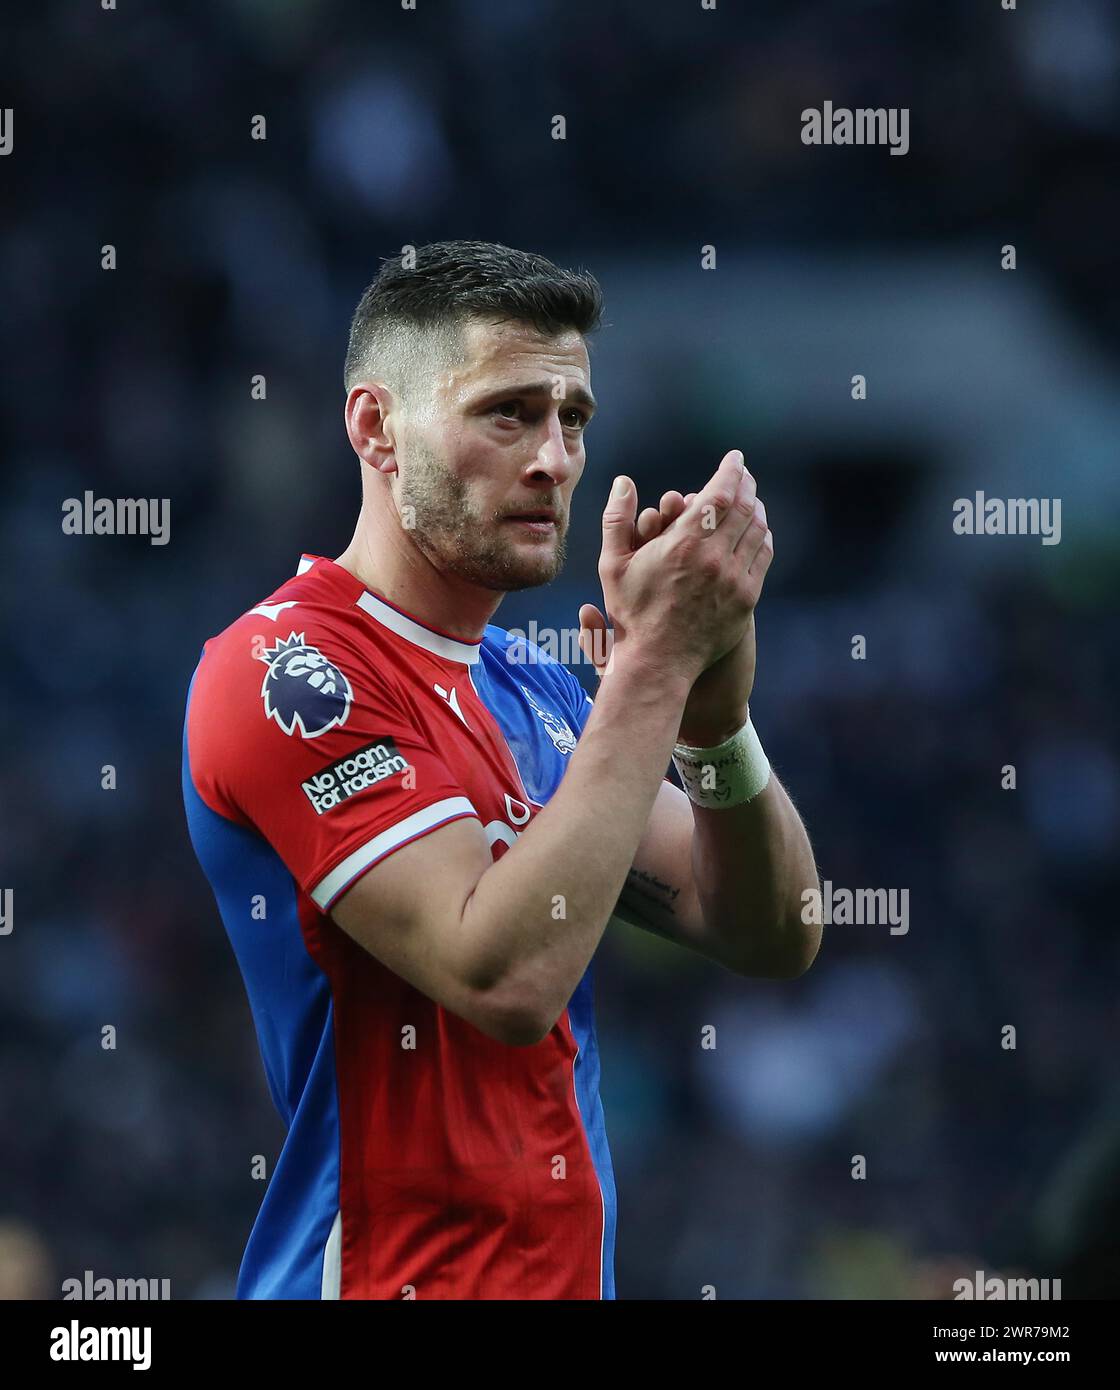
(239,257)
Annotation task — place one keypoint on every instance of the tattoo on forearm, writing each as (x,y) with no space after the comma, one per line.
(651,888)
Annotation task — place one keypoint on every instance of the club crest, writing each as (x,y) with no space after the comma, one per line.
(559,730)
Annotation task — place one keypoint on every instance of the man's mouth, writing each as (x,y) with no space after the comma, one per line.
(541,522)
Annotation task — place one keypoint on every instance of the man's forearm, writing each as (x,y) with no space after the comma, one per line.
(543,906)
(750,865)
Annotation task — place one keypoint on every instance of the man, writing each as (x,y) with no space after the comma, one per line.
(413,857)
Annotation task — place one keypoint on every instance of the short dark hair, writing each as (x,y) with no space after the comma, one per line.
(439,287)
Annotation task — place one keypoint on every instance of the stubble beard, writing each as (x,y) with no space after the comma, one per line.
(461,541)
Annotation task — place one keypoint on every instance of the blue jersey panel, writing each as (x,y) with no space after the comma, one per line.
(291,1005)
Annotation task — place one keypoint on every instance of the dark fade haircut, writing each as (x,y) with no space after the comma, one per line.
(419,302)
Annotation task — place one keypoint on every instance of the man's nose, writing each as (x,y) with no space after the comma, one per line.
(552,456)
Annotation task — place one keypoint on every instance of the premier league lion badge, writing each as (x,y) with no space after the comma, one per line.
(302,690)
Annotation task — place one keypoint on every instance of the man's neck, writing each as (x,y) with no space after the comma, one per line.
(393,568)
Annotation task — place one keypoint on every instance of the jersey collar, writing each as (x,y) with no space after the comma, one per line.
(393,618)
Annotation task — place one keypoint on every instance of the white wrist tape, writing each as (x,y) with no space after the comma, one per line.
(727,775)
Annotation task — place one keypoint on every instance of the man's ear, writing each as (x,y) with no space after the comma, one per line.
(370,425)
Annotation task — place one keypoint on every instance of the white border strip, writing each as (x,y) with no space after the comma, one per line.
(590,1155)
(332,1261)
(447,647)
(324,893)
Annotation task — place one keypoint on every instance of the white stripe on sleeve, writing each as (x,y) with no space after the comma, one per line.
(340,877)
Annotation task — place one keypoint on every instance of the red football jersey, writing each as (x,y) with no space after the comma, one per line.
(325,729)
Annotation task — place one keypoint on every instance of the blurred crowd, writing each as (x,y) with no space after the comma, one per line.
(238,257)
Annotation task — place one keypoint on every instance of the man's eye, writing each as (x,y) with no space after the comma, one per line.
(509,410)
(576,419)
